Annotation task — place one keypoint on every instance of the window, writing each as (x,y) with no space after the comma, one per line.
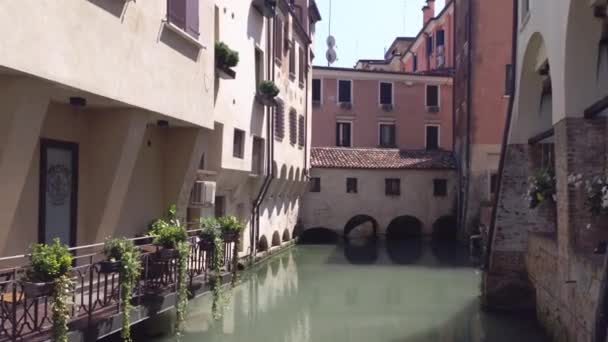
(257,156)
(440,187)
(387,135)
(238,145)
(508,79)
(293,126)
(525,9)
(301,131)
(343,134)
(432,96)
(184,14)
(440,38)
(292,63)
(429,45)
(201,163)
(351,185)
(302,68)
(279,122)
(316,90)
(278,38)
(259,68)
(344,91)
(220,206)
(432,137)
(493,184)
(315,184)
(386,93)
(415,63)
(392,186)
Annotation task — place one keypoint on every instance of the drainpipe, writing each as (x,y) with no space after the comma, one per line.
(467,160)
(505,138)
(255,210)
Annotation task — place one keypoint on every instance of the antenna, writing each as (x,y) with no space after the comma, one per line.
(331,54)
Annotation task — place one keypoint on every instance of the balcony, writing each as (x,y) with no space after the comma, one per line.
(95,295)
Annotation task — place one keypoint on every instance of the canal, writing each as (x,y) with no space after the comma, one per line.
(396,292)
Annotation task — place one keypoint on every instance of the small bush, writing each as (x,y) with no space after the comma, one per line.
(211,228)
(230,224)
(268,88)
(49,262)
(225,56)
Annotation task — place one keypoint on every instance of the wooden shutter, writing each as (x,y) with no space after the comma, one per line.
(415,63)
(347,128)
(293,126)
(432,95)
(392,135)
(176,13)
(279,121)
(338,134)
(278,37)
(386,93)
(432,137)
(429,45)
(192,18)
(316,90)
(440,38)
(301,131)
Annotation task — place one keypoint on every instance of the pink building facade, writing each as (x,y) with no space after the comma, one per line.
(432,49)
(365,109)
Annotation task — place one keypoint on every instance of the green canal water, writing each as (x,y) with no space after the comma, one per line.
(401,292)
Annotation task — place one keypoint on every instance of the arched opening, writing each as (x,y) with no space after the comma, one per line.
(318,236)
(262,244)
(286,235)
(361,227)
(361,252)
(404,252)
(404,228)
(276,239)
(445,228)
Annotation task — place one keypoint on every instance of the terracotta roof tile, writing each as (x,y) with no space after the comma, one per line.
(380,158)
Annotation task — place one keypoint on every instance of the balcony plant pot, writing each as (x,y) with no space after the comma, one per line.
(107,266)
(229,237)
(166,254)
(34,289)
(266,7)
(225,72)
(206,243)
(265,100)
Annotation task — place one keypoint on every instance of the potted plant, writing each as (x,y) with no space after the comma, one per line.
(231,228)
(267,92)
(168,232)
(541,188)
(210,232)
(225,60)
(47,264)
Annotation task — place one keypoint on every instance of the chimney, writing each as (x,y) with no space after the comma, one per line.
(428,11)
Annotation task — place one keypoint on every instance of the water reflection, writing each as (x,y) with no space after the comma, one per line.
(370,292)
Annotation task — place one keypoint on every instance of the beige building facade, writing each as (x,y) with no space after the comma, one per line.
(114,110)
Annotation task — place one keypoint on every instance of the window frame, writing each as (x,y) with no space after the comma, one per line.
(320,101)
(338,91)
(440,184)
(278,38)
(352,185)
(426,97)
(387,123)
(240,153)
(350,123)
(509,79)
(388,189)
(315,185)
(392,84)
(426,126)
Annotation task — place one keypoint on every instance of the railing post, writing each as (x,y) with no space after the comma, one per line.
(14,313)
(91,281)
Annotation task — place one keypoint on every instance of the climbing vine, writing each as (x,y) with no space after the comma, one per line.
(182,283)
(61,310)
(216,265)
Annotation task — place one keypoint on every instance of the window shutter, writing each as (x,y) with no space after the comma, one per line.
(301,132)
(347,141)
(279,121)
(176,13)
(429,45)
(278,38)
(392,139)
(293,126)
(440,38)
(338,134)
(415,66)
(192,17)
(432,93)
(316,90)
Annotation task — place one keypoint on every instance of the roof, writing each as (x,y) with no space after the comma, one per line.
(387,53)
(381,158)
(437,74)
(424,27)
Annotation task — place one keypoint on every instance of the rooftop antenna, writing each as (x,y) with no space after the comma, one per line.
(331,54)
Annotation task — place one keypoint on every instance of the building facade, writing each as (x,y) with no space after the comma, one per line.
(381,157)
(483,78)
(552,256)
(103,134)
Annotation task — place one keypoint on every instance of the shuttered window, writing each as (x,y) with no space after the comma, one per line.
(315,184)
(302,65)
(432,137)
(387,135)
(440,187)
(292,63)
(440,37)
(386,93)
(279,121)
(343,134)
(344,91)
(278,38)
(432,96)
(392,187)
(429,45)
(293,126)
(415,64)
(185,15)
(316,90)
(301,131)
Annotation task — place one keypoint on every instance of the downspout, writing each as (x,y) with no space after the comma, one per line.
(255,210)
(505,137)
(467,174)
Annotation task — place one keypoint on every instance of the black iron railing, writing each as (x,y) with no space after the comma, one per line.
(95,294)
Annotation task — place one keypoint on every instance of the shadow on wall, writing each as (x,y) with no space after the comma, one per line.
(276,239)
(178,43)
(115,7)
(263,244)
(404,228)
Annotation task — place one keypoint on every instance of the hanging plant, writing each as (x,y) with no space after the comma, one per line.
(168,232)
(48,274)
(217,261)
(122,252)
(541,188)
(183,248)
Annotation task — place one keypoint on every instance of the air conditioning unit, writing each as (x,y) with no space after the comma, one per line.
(203,194)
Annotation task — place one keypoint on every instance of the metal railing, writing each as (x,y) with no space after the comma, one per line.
(94,294)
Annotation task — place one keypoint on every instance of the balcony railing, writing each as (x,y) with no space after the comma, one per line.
(95,295)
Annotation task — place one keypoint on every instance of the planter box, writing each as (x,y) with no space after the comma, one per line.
(206,244)
(225,72)
(106,267)
(35,290)
(167,254)
(266,7)
(265,100)
(230,236)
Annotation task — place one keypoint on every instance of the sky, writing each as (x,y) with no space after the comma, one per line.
(365,28)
